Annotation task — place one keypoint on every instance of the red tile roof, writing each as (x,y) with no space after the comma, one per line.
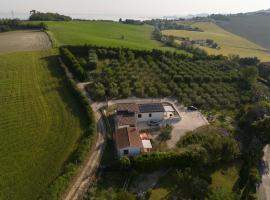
(127,107)
(126,120)
(127,137)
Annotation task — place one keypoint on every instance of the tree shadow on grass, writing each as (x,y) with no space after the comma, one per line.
(71,103)
(64,90)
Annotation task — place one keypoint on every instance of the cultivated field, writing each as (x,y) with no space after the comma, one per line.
(229,43)
(104,34)
(40,123)
(15,41)
(254,27)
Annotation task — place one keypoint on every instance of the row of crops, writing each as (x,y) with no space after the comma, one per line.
(214,82)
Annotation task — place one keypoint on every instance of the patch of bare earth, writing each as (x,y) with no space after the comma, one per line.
(30,40)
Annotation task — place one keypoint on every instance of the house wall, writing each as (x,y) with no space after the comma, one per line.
(145,116)
(132,151)
(123,126)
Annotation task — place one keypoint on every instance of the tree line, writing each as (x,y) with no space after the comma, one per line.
(161,24)
(16,24)
(165,24)
(39,16)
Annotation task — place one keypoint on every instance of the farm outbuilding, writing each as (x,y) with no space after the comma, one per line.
(128,142)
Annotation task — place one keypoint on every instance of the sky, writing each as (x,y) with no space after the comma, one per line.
(135,7)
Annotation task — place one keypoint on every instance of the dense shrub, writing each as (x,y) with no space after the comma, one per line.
(220,148)
(124,163)
(165,133)
(16,24)
(73,64)
(194,156)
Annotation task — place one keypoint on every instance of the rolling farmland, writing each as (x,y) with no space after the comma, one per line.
(254,27)
(229,43)
(40,123)
(109,34)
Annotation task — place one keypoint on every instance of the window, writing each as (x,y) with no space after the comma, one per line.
(126,151)
(139,115)
(150,114)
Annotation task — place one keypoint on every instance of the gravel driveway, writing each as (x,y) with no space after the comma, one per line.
(190,120)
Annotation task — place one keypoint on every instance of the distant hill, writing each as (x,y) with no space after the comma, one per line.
(254,26)
(229,43)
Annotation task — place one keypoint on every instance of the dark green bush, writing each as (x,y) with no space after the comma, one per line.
(72,64)
(194,156)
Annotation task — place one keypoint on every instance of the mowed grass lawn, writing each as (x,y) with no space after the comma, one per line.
(40,123)
(226,177)
(229,43)
(109,34)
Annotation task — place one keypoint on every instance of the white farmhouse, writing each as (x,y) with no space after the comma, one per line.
(129,114)
(150,112)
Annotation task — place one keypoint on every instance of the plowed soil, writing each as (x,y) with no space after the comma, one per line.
(16,41)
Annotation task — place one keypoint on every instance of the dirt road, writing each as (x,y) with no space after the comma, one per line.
(16,41)
(81,182)
(264,189)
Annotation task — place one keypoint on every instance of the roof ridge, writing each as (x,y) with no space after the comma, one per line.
(127,129)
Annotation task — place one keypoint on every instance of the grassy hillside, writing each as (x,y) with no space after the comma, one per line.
(229,43)
(104,34)
(254,27)
(40,123)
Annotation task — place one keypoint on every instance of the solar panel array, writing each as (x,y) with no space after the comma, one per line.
(153,107)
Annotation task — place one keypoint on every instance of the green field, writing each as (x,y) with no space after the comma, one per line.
(229,43)
(40,123)
(109,34)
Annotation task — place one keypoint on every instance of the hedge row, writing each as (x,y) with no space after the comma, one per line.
(115,52)
(73,64)
(91,126)
(86,142)
(15,24)
(195,156)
